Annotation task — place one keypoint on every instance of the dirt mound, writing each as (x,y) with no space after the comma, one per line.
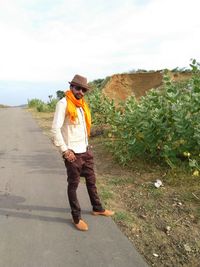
(120,86)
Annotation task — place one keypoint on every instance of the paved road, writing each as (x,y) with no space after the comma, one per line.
(35,221)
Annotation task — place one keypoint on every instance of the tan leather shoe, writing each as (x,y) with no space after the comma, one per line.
(104,213)
(81,225)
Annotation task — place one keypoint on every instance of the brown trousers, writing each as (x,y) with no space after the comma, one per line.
(82,166)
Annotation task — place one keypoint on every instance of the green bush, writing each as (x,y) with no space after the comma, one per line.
(164,125)
(42,106)
(99,83)
(52,104)
(102,108)
(33,103)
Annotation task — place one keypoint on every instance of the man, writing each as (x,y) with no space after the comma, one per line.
(71,128)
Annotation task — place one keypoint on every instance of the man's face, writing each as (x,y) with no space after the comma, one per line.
(78,91)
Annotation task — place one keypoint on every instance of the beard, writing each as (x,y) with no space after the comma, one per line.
(78,96)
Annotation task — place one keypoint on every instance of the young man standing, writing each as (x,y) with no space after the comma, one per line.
(71,128)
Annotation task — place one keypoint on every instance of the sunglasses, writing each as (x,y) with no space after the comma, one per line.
(78,88)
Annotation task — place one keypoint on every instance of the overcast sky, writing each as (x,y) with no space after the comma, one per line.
(51,40)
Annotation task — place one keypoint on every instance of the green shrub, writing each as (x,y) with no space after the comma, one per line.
(33,103)
(102,108)
(42,106)
(99,83)
(52,104)
(164,125)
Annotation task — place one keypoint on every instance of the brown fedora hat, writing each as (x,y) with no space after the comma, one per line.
(81,81)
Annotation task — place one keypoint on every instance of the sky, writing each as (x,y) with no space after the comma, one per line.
(44,43)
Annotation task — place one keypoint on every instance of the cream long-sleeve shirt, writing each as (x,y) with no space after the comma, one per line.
(68,135)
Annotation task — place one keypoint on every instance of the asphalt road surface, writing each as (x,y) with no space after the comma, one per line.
(35,221)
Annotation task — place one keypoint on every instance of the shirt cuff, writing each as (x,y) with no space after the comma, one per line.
(63,148)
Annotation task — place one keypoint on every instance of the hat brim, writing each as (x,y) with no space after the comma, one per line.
(78,84)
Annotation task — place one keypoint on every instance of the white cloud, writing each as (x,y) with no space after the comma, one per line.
(57,39)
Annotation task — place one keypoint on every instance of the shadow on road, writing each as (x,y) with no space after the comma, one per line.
(37,162)
(11,206)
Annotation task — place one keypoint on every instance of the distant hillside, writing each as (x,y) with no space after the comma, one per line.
(3,106)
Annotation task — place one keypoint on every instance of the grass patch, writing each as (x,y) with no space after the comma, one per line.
(123,217)
(121,180)
(156,193)
(149,206)
(181,177)
(193,197)
(106,194)
(197,214)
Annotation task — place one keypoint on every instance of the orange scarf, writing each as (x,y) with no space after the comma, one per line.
(71,112)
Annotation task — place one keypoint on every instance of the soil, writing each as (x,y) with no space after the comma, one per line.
(120,86)
(162,223)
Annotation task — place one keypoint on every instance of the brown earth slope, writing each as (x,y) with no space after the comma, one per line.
(120,86)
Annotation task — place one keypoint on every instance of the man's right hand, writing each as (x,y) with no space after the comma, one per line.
(69,155)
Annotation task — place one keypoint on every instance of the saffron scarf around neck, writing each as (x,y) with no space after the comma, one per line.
(71,111)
